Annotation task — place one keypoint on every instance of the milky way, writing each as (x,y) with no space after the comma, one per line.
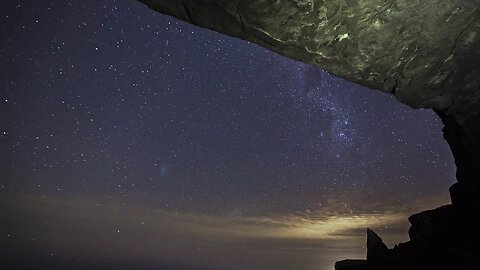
(126,117)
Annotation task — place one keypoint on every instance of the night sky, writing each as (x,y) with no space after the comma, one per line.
(131,140)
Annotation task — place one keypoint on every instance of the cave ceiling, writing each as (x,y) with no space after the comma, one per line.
(425,52)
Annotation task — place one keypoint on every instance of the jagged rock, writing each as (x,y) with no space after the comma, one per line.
(376,249)
(431,225)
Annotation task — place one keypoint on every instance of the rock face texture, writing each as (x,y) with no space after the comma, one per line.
(425,52)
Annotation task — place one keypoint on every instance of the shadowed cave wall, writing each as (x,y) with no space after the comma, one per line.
(426,53)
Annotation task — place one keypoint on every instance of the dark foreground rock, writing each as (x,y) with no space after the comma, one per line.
(376,249)
(444,238)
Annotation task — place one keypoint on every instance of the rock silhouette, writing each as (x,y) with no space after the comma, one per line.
(376,249)
(443,238)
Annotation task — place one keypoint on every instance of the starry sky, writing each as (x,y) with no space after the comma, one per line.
(132,140)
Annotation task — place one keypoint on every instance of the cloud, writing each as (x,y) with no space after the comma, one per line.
(82,228)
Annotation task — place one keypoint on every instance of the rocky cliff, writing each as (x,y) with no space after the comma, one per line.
(425,52)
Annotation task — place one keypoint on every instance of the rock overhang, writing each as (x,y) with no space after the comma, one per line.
(425,52)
